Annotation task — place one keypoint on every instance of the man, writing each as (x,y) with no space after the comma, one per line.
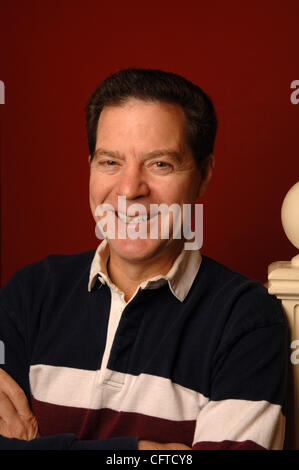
(142,344)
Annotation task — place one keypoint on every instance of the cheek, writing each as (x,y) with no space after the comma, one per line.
(96,195)
(97,190)
(176,193)
(92,192)
(188,191)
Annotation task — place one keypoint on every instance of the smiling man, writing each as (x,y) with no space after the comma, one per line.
(142,343)
(141,154)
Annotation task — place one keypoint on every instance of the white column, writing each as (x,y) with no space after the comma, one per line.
(283,281)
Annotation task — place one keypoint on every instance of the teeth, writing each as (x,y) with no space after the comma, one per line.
(135,219)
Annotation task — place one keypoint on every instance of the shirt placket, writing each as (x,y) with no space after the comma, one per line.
(118,304)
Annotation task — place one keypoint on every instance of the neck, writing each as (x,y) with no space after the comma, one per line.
(127,275)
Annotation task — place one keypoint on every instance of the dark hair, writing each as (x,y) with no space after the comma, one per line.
(158,85)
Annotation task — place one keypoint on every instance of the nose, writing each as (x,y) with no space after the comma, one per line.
(132,182)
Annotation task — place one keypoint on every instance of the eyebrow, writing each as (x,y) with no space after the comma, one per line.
(164,153)
(109,153)
(153,154)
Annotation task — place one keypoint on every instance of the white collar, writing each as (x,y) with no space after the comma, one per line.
(180,277)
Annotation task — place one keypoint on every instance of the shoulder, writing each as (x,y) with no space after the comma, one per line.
(242,303)
(51,270)
(57,263)
(221,275)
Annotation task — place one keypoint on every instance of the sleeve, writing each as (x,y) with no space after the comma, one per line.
(15,350)
(68,442)
(246,407)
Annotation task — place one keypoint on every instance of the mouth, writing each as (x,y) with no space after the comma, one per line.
(136,219)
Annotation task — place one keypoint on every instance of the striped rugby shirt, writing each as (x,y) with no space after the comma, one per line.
(197,356)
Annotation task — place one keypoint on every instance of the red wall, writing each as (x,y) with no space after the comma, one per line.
(53,54)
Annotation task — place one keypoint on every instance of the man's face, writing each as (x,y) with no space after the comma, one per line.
(141,153)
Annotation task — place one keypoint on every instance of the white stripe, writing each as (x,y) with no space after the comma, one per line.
(61,385)
(241,420)
(146,394)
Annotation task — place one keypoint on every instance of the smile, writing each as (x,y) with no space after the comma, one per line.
(137,219)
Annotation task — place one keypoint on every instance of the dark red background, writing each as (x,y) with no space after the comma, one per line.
(54,53)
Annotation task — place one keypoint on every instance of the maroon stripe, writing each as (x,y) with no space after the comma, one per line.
(105,423)
(227,445)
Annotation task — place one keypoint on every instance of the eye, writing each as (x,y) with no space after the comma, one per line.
(161,164)
(108,163)
(161,167)
(108,166)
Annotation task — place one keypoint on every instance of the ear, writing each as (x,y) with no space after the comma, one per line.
(89,159)
(206,172)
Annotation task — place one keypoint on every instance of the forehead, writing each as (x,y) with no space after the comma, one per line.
(142,123)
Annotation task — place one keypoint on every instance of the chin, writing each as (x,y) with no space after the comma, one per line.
(137,250)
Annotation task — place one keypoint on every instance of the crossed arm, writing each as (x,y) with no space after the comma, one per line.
(16,417)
